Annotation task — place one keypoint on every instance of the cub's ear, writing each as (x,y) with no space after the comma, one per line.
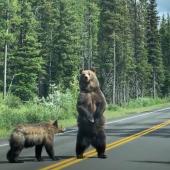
(51,122)
(55,123)
(93,69)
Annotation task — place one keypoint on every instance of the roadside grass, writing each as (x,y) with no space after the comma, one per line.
(125,111)
(4,132)
(61,106)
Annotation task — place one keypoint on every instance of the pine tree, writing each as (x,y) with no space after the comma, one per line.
(153,48)
(89,34)
(4,29)
(25,62)
(47,15)
(8,20)
(138,26)
(65,55)
(106,45)
(60,34)
(165,44)
(115,50)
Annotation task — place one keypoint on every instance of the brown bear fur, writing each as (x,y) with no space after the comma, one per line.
(29,135)
(91,105)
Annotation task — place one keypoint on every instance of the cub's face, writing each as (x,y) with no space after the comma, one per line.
(57,128)
(87,75)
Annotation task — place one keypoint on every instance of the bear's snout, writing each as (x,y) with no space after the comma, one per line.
(85,77)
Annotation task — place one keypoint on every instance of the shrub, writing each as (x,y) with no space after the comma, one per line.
(59,105)
(113,107)
(12,101)
(144,102)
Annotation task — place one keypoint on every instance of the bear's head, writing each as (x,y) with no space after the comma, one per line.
(53,125)
(88,80)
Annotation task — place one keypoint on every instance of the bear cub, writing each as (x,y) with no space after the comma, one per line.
(91,105)
(29,135)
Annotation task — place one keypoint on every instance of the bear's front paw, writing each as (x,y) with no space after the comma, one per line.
(91,119)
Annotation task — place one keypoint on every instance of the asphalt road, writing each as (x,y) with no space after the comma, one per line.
(138,142)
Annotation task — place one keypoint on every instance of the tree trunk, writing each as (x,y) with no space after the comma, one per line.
(154,85)
(114,71)
(5,66)
(6,53)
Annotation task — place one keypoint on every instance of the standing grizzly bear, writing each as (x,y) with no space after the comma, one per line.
(29,135)
(91,105)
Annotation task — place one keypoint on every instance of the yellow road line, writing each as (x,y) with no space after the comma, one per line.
(74,160)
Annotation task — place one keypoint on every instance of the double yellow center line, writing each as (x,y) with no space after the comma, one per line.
(74,160)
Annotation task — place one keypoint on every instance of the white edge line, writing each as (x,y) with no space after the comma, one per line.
(4,145)
(132,117)
(110,122)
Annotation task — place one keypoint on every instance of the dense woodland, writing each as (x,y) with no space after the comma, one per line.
(44,43)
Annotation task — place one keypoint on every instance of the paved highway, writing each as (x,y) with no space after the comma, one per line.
(138,142)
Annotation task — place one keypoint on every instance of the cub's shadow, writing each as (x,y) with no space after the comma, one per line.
(23,159)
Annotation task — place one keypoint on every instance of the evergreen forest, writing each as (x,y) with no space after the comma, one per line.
(44,44)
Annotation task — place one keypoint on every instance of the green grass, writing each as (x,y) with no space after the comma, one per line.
(68,122)
(4,132)
(124,111)
(61,106)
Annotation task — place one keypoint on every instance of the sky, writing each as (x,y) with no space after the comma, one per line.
(163,7)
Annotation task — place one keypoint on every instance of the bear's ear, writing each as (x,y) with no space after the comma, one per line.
(93,69)
(81,70)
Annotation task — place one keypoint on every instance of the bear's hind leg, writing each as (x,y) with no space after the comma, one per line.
(81,145)
(13,154)
(50,150)
(9,156)
(99,142)
(38,151)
